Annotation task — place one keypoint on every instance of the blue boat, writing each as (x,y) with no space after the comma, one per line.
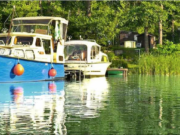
(33,70)
(33,50)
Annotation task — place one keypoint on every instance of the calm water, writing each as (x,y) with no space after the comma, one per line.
(96,106)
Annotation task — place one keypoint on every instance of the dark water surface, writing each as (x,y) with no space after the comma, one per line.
(96,106)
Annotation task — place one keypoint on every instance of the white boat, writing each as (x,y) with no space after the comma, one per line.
(37,43)
(86,57)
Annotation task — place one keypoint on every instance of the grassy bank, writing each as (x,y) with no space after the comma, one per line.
(163,60)
(159,64)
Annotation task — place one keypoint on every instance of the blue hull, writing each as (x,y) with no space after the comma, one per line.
(33,70)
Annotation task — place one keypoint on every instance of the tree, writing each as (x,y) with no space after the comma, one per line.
(160,28)
(146,15)
(173,21)
(98,23)
(53,8)
(23,8)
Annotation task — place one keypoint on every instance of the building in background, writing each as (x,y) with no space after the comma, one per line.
(141,41)
(130,39)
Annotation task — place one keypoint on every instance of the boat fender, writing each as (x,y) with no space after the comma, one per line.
(52,72)
(18,69)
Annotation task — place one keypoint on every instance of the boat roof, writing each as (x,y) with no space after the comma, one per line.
(86,42)
(24,34)
(42,18)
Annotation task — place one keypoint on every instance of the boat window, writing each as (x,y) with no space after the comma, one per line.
(30,29)
(76,52)
(5,51)
(23,40)
(41,21)
(94,51)
(47,46)
(30,54)
(19,53)
(38,42)
(3,40)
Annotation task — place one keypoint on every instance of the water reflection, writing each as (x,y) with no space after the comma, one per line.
(45,107)
(32,108)
(112,105)
(85,99)
(17,94)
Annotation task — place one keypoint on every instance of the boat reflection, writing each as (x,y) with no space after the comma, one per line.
(32,108)
(17,94)
(45,107)
(87,98)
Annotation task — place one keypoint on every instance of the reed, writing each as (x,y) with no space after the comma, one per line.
(159,64)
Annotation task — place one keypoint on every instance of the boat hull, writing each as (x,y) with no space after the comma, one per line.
(33,70)
(88,69)
(114,72)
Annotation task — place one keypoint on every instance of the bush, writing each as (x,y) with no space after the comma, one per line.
(167,48)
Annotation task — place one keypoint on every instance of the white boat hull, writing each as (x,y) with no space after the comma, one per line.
(88,69)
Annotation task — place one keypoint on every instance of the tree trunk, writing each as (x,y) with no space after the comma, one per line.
(160,29)
(40,5)
(146,39)
(160,32)
(173,30)
(88,11)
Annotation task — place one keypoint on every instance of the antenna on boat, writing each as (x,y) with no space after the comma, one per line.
(8,36)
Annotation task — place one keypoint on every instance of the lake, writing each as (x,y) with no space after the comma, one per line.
(111,105)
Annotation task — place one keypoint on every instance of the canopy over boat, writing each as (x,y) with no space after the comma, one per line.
(44,20)
(55,26)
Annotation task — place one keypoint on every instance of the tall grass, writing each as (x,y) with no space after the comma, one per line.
(159,64)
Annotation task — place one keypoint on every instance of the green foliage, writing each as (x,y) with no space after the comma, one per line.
(145,14)
(159,64)
(107,17)
(119,61)
(167,48)
(53,8)
(101,26)
(23,8)
(163,60)
(128,53)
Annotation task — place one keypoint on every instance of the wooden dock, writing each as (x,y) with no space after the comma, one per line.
(117,71)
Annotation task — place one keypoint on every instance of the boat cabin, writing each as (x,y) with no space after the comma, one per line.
(38,38)
(84,51)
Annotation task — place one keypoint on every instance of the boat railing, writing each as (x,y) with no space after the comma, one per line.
(90,40)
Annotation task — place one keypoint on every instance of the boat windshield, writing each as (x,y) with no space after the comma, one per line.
(30,29)
(23,40)
(76,52)
(31,26)
(32,22)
